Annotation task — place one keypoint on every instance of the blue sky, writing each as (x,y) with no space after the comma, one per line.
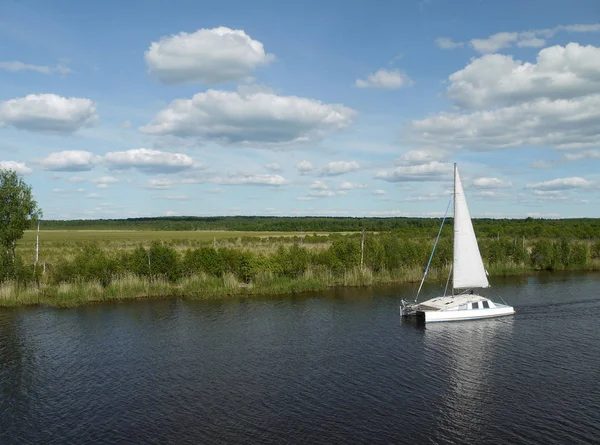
(351,108)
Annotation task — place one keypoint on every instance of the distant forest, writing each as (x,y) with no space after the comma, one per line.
(581,228)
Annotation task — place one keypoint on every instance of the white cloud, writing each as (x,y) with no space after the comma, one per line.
(208,55)
(431,171)
(150,161)
(542,164)
(160,183)
(215,191)
(273,166)
(551,103)
(105,180)
(18,167)
(102,185)
(172,197)
(490,183)
(448,43)
(340,167)
(379,192)
(532,39)
(385,213)
(415,157)
(16,66)
(385,79)
(48,113)
(498,80)
(76,179)
(495,42)
(249,118)
(126,124)
(247,179)
(69,161)
(321,193)
(305,167)
(561,184)
(319,185)
(562,124)
(351,186)
(586,154)
(92,196)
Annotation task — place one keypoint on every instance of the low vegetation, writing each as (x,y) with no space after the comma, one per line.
(81,267)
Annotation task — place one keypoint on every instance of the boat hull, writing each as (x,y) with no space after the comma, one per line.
(439,316)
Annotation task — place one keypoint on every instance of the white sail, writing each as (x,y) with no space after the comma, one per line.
(468,270)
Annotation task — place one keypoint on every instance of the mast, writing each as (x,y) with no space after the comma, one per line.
(453,233)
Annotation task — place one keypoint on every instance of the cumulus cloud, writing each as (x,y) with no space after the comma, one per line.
(379,192)
(385,79)
(208,55)
(321,193)
(48,113)
(532,39)
(431,171)
(551,103)
(497,80)
(273,166)
(150,161)
(585,154)
(562,124)
(351,186)
(415,157)
(16,66)
(305,167)
(105,180)
(160,183)
(490,183)
(319,185)
(264,118)
(18,167)
(561,184)
(340,167)
(69,161)
(448,43)
(249,179)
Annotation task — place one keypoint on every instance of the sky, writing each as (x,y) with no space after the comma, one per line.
(323,108)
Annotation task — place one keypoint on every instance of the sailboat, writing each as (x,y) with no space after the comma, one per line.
(468,274)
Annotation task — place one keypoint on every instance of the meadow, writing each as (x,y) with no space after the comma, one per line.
(84,266)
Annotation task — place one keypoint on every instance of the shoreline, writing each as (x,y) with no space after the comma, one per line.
(206,288)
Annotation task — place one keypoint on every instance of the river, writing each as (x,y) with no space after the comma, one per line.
(339,367)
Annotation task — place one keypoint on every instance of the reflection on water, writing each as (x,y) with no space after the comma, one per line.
(316,369)
(470,351)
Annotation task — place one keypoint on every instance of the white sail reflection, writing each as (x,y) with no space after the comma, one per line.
(465,356)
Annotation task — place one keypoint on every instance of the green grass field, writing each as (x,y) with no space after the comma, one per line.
(140,236)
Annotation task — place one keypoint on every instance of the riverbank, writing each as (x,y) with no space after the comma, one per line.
(205,287)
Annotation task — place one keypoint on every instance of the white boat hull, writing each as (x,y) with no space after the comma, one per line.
(437,316)
(455,308)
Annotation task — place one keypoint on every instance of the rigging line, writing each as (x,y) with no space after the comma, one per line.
(433,250)
(448,280)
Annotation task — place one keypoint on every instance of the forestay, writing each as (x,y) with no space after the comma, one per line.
(468,269)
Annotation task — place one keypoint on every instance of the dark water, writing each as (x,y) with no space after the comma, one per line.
(341,369)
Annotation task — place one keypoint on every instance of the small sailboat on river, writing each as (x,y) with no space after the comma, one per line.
(468,274)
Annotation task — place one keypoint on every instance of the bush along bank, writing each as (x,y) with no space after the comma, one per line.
(95,274)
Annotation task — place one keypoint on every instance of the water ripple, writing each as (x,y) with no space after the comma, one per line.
(336,369)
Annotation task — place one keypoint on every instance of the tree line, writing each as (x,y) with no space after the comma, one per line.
(577,228)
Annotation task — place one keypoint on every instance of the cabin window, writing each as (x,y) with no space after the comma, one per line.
(486,305)
(475,306)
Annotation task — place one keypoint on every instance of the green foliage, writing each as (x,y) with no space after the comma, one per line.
(543,255)
(17,209)
(204,259)
(164,262)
